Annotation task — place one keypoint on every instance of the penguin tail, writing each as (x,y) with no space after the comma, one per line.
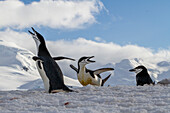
(153,83)
(64,88)
(67,89)
(105,79)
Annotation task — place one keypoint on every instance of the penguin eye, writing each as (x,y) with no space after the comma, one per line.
(138,70)
(83,60)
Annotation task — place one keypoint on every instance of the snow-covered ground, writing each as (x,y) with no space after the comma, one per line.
(21,88)
(89,99)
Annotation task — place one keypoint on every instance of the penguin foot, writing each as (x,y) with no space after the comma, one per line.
(57,91)
(61,90)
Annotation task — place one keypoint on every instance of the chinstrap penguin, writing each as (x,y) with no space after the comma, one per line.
(142,76)
(87,76)
(49,70)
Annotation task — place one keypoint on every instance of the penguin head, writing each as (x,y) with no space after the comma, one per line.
(38,38)
(85,60)
(138,69)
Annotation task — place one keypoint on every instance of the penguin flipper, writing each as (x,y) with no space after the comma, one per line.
(35,58)
(31,32)
(74,68)
(98,71)
(61,58)
(105,79)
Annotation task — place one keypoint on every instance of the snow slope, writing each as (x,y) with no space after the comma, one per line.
(38,84)
(18,70)
(15,66)
(117,99)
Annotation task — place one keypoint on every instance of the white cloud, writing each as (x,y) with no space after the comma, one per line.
(21,39)
(104,52)
(51,13)
(98,39)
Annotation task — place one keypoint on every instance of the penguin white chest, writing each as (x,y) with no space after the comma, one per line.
(85,79)
(43,75)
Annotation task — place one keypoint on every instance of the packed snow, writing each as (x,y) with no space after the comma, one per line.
(89,99)
(22,91)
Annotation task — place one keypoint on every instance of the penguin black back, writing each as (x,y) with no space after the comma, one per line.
(50,68)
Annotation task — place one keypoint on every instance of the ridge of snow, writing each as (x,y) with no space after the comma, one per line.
(18,69)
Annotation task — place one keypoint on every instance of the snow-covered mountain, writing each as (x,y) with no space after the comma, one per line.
(18,70)
(16,66)
(122,76)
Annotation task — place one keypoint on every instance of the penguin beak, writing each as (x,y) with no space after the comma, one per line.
(34,35)
(132,70)
(136,70)
(92,61)
(33,31)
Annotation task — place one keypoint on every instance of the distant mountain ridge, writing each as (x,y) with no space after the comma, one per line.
(18,70)
(122,76)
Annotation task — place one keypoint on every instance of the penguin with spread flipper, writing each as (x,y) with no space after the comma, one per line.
(49,70)
(87,76)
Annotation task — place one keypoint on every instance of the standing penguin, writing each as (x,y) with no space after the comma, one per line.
(142,76)
(86,76)
(49,70)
